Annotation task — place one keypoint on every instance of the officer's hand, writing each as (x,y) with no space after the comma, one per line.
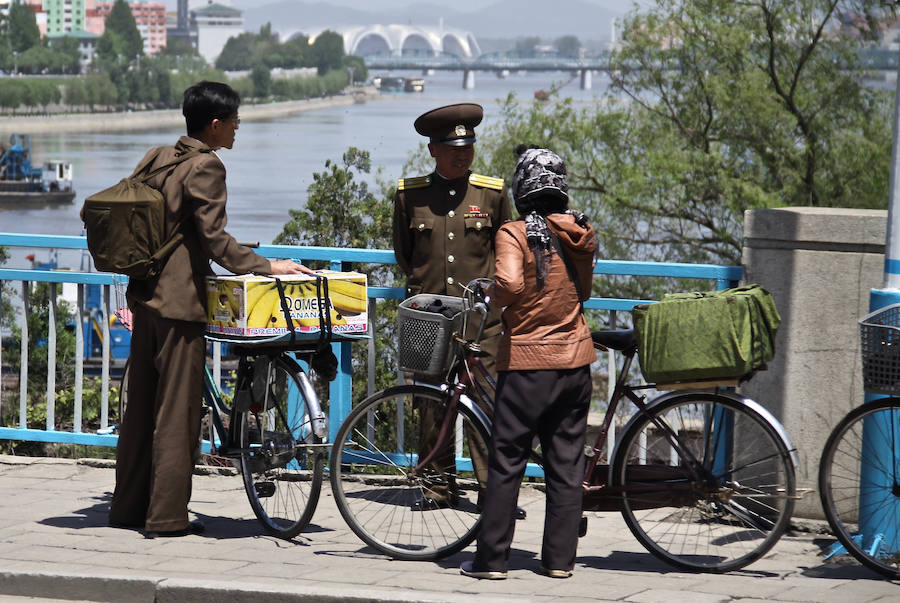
(288,267)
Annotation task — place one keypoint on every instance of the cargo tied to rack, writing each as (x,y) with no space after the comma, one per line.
(252,306)
(706,335)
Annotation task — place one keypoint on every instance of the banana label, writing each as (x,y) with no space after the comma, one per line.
(251,306)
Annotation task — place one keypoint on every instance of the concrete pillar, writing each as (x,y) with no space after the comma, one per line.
(468,79)
(820,265)
(585,79)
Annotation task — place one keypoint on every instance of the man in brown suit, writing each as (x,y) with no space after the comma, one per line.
(443,228)
(154,458)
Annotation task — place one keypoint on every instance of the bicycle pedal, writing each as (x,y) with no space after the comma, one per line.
(582,526)
(264,489)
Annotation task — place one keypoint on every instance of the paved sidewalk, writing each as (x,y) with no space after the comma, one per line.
(55,544)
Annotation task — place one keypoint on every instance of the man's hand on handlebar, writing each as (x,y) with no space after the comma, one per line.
(289,267)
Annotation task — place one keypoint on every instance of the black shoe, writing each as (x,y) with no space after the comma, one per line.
(519,513)
(194,528)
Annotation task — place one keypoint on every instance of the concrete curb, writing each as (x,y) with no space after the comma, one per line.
(139,589)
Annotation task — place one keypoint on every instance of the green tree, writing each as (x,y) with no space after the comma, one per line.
(568,46)
(176,47)
(327,51)
(525,47)
(23,29)
(360,71)
(121,37)
(262,81)
(68,53)
(729,106)
(237,54)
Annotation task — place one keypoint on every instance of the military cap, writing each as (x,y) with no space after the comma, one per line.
(452,125)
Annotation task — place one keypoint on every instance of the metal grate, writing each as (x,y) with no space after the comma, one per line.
(880,344)
(424,337)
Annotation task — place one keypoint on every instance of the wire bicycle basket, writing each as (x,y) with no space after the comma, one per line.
(425,334)
(880,346)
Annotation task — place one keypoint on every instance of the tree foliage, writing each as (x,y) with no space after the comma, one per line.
(327,51)
(22,28)
(717,107)
(121,38)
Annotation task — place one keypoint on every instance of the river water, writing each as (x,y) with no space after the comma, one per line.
(273,161)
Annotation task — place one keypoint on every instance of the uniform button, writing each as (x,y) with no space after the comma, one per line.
(451,236)
(449,280)
(477,225)
(452,192)
(451,213)
(421,226)
(450,258)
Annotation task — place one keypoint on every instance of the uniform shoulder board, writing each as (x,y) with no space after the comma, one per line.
(405,184)
(486,181)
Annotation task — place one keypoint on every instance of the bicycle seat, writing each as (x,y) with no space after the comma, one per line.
(616,339)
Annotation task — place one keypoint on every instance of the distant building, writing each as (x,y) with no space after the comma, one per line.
(214,24)
(150,19)
(64,16)
(87,44)
(179,25)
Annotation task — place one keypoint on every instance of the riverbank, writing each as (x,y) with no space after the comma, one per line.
(152,120)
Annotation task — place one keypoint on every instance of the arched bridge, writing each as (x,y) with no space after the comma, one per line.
(399,40)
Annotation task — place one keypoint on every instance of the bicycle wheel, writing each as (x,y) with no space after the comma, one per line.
(721,497)
(282,473)
(859,484)
(376,484)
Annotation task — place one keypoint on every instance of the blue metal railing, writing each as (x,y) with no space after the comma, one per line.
(341,388)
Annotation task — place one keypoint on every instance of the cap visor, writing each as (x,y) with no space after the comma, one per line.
(459,142)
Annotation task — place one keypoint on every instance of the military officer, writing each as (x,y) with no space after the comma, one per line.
(444,225)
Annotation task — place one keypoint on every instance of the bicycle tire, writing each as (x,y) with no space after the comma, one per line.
(736,503)
(282,475)
(374,483)
(859,486)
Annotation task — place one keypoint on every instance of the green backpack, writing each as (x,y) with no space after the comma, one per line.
(126,223)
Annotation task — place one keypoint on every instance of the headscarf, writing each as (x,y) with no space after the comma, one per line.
(540,187)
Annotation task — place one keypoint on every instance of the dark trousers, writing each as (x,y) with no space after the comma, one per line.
(161,426)
(552,404)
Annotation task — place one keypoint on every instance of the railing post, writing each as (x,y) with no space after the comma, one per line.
(341,389)
(23,359)
(79,359)
(104,362)
(51,358)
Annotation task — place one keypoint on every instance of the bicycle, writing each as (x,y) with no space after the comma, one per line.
(705,480)
(274,431)
(859,471)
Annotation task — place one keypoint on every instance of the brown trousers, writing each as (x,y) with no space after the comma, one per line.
(161,426)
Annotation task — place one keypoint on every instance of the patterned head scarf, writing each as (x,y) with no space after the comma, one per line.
(540,186)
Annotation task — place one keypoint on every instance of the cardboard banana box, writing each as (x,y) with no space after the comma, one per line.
(250,305)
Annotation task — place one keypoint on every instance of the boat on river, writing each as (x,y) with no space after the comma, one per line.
(21,182)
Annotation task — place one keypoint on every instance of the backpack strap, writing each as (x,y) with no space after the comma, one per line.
(172,242)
